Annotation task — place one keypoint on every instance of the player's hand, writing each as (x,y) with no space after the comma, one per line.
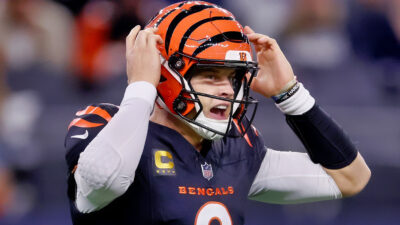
(275,71)
(142,56)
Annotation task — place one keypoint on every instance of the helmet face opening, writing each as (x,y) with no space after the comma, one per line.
(240,84)
(199,36)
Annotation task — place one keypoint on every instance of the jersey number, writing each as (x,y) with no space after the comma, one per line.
(213,211)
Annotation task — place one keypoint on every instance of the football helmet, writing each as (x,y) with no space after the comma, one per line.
(199,34)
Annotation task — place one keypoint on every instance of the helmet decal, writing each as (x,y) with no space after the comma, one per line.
(238,55)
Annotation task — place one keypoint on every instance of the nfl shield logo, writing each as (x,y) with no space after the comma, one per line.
(207,171)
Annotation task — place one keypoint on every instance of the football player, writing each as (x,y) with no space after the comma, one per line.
(180,148)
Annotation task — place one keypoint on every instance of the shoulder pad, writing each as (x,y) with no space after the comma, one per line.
(85,126)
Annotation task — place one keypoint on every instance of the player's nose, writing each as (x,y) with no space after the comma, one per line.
(226,89)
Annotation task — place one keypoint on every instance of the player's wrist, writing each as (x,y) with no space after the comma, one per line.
(287,91)
(140,89)
(296,101)
(150,81)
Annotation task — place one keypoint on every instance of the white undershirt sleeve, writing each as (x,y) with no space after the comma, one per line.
(107,167)
(291,177)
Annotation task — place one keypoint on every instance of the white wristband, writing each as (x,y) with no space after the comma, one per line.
(297,104)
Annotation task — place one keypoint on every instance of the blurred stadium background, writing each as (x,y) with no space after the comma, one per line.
(58,56)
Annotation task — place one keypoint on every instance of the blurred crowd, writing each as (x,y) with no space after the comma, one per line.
(57,56)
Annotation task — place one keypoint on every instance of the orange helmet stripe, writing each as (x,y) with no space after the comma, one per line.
(198,24)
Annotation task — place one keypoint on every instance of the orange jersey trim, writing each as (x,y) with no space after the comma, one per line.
(255,130)
(246,137)
(95,110)
(74,169)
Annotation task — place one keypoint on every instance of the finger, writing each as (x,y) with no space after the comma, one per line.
(247,30)
(152,29)
(154,40)
(141,39)
(269,43)
(158,39)
(255,36)
(262,42)
(265,41)
(153,36)
(130,39)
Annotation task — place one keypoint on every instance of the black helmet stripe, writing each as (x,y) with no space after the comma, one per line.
(233,36)
(167,14)
(196,25)
(179,18)
(163,17)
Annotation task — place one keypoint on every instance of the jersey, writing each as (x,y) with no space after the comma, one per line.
(174,183)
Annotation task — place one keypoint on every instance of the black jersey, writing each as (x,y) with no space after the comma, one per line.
(174,183)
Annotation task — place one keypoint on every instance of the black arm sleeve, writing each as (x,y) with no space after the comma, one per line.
(324,139)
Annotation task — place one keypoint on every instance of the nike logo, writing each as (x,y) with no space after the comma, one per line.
(81,136)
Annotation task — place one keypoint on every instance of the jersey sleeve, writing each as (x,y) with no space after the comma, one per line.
(291,177)
(83,128)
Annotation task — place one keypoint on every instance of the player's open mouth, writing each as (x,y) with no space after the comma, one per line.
(219,112)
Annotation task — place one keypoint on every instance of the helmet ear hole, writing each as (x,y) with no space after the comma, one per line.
(176,62)
(179,105)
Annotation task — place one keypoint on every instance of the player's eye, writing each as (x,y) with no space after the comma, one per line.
(210,77)
(237,78)
(232,78)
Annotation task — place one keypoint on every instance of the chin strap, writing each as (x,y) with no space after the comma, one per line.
(218,125)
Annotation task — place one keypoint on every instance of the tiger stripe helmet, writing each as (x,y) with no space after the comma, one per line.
(195,34)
